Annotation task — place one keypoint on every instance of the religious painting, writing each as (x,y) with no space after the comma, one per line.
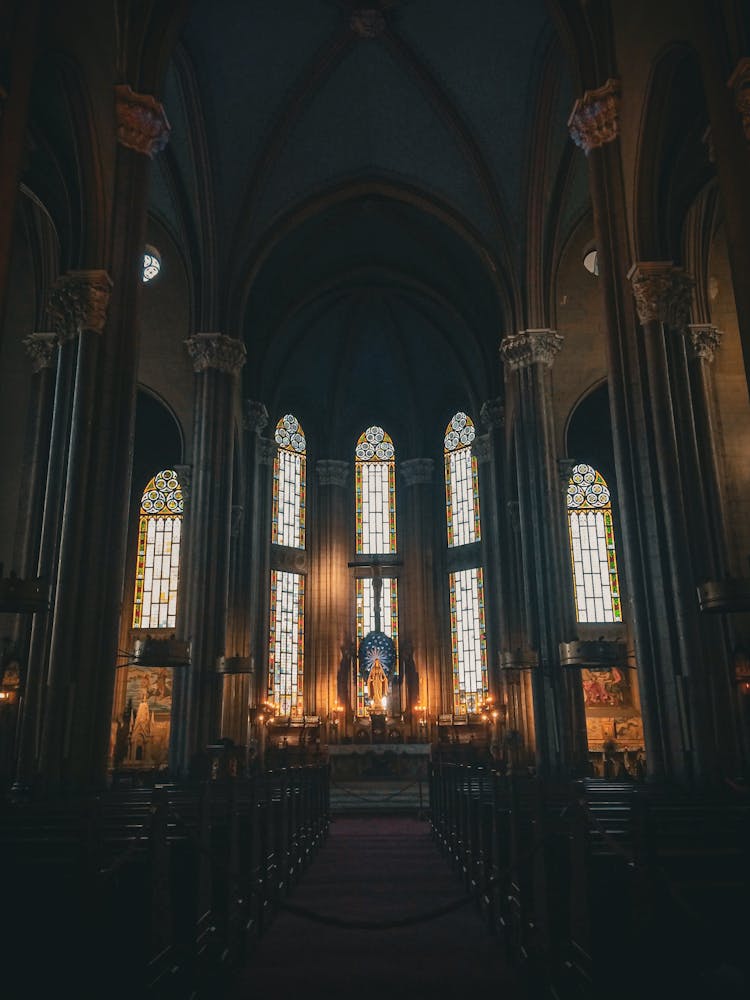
(154,686)
(606,688)
(629,733)
(140,735)
(599,730)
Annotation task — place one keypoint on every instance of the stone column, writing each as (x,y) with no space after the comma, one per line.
(421,620)
(79,303)
(266,455)
(329,671)
(217,361)
(728,101)
(528,357)
(594,126)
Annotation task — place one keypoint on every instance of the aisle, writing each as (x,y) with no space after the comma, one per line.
(378,869)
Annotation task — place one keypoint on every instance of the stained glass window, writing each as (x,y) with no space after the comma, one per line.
(286,643)
(592,547)
(158,560)
(375,492)
(468,641)
(461,483)
(288,512)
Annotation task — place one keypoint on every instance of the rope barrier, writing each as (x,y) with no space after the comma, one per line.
(364,798)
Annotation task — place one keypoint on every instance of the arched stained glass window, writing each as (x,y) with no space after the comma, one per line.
(158,560)
(288,514)
(286,647)
(592,547)
(468,641)
(375,513)
(461,484)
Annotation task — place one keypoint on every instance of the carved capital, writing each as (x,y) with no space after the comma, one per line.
(332,472)
(565,468)
(481,449)
(492,414)
(78,301)
(255,416)
(703,339)
(663,293)
(595,118)
(214,350)
(739,81)
(42,349)
(267,449)
(185,479)
(367,22)
(529,347)
(417,471)
(141,122)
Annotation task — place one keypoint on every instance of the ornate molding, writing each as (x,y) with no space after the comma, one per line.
(332,472)
(417,471)
(141,122)
(492,414)
(216,351)
(255,416)
(42,349)
(703,339)
(78,301)
(481,448)
(367,22)
(739,82)
(185,478)
(529,347)
(663,293)
(595,118)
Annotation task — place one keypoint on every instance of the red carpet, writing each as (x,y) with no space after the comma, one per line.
(378,869)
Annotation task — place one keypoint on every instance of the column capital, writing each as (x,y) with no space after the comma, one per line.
(481,448)
(595,118)
(42,349)
(215,350)
(267,449)
(663,293)
(492,414)
(78,301)
(332,472)
(141,122)
(739,82)
(528,347)
(417,471)
(703,339)
(254,415)
(185,479)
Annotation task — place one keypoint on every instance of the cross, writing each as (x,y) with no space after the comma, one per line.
(375,568)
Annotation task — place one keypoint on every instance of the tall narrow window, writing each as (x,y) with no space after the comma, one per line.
(288,517)
(375,514)
(461,485)
(158,560)
(468,642)
(466,586)
(592,547)
(286,652)
(287,642)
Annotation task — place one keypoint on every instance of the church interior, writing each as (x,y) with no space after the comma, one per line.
(375,421)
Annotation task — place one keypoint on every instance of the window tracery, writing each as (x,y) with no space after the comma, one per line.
(592,547)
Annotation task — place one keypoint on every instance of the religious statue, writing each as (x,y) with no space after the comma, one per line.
(377,684)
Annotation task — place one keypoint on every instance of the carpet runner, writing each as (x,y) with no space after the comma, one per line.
(375,870)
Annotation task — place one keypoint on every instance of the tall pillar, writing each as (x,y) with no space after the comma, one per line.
(79,303)
(594,126)
(266,455)
(528,357)
(331,660)
(217,361)
(426,668)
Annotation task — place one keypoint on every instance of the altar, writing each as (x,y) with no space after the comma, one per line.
(378,762)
